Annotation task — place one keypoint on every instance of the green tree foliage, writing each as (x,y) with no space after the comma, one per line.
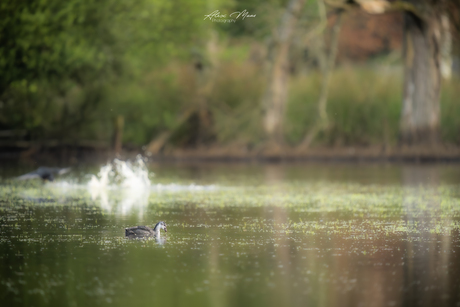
(52,40)
(59,59)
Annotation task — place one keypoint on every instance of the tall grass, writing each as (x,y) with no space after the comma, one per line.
(364,104)
(450,111)
(149,105)
(235,102)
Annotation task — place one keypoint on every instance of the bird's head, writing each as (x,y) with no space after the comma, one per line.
(161,225)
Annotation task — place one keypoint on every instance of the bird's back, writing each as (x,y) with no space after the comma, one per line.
(45,173)
(139,232)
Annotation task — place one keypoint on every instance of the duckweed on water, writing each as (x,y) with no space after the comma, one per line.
(292,239)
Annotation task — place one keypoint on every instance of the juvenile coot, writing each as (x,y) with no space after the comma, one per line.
(45,173)
(144,231)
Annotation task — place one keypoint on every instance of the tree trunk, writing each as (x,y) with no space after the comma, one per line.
(274,99)
(327,67)
(420,118)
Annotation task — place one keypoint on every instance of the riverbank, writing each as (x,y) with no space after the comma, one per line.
(444,153)
(67,153)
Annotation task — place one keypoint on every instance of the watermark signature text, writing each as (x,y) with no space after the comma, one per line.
(217,16)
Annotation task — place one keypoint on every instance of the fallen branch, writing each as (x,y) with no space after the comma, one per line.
(157,144)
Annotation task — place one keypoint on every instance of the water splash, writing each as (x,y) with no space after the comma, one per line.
(133,175)
(119,187)
(126,182)
(125,174)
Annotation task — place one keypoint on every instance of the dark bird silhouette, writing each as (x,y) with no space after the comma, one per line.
(45,173)
(144,231)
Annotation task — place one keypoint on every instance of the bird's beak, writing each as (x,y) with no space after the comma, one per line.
(166,230)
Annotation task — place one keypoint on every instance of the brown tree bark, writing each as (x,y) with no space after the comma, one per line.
(275,97)
(420,117)
(427,56)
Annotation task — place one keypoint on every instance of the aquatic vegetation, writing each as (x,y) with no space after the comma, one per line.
(64,244)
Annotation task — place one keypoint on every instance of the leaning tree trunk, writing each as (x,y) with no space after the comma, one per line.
(420,119)
(274,99)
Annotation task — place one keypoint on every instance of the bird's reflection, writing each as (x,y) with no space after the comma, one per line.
(158,240)
(161,241)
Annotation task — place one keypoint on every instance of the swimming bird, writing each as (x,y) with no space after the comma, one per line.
(144,231)
(45,173)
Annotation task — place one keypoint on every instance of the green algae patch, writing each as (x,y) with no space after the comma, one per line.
(233,233)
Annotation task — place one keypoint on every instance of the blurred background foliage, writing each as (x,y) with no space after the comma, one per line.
(69,68)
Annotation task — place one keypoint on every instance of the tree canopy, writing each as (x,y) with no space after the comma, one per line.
(53,52)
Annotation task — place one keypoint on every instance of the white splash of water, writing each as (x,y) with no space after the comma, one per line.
(121,187)
(124,186)
(123,174)
(102,180)
(134,176)
(127,181)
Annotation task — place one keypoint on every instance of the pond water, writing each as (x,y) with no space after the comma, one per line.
(238,235)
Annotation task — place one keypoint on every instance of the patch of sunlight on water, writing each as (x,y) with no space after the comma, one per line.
(238,235)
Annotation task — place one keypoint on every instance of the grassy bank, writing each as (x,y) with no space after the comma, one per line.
(364,105)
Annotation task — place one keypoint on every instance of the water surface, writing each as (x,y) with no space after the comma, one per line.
(238,235)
